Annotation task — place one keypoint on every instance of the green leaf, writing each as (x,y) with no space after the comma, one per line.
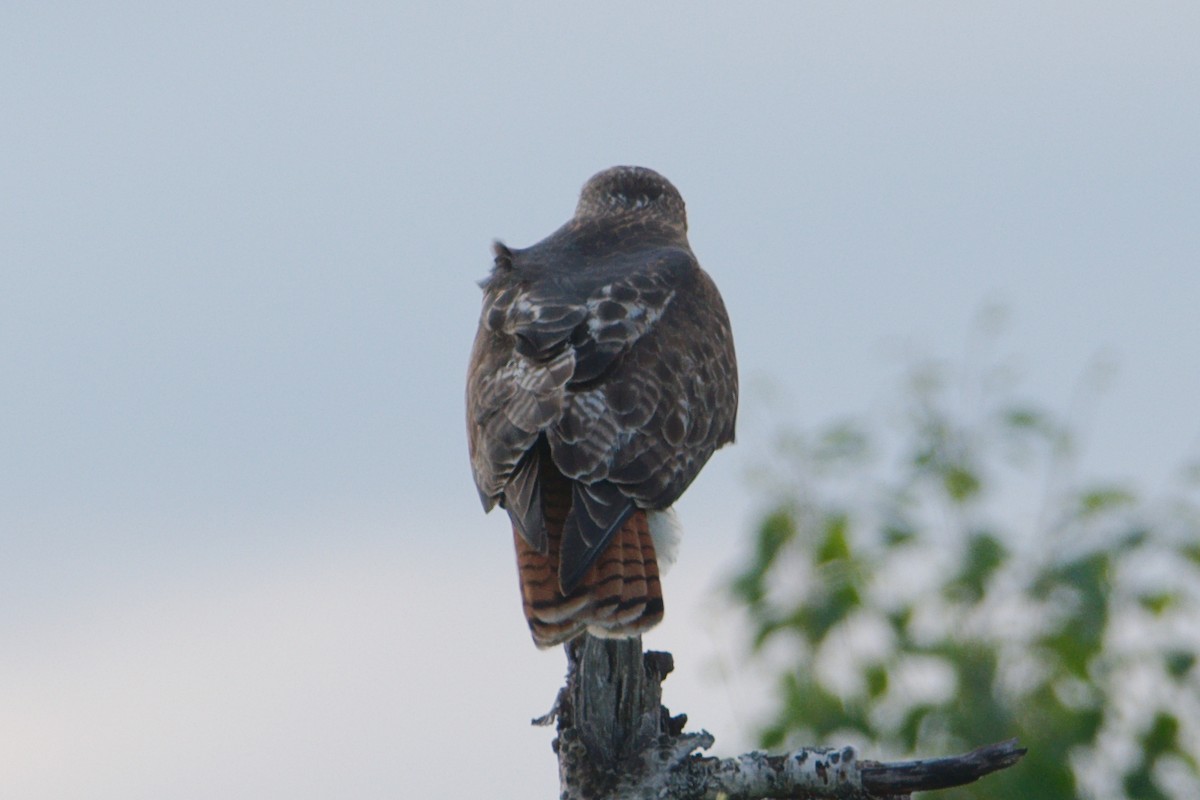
(1157,603)
(896,533)
(750,587)
(1080,636)
(1087,576)
(1179,663)
(1140,784)
(985,554)
(808,705)
(774,533)
(834,544)
(1132,539)
(773,736)
(816,619)
(1074,648)
(1162,737)
(877,681)
(910,728)
(1085,724)
(1104,498)
(960,483)
(899,620)
(768,625)
(776,530)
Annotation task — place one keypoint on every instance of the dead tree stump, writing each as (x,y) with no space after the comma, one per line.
(617,741)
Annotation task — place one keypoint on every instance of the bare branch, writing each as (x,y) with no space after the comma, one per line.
(810,772)
(616,740)
(906,777)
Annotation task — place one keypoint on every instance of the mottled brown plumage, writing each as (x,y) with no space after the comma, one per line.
(602,379)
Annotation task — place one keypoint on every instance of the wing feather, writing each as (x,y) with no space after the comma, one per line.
(597,511)
(625,367)
(523,500)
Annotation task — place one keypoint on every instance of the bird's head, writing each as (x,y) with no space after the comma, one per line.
(622,191)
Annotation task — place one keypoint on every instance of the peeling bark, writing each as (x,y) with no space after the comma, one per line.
(616,740)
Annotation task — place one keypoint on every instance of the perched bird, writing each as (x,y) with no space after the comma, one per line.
(602,379)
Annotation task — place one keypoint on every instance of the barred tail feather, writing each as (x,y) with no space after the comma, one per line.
(620,595)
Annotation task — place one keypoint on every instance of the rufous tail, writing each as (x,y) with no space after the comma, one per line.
(620,595)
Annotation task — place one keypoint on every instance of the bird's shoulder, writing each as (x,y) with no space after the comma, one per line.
(568,288)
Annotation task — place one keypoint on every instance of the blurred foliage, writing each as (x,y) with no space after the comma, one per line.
(941,581)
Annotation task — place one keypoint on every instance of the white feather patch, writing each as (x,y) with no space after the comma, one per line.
(666,532)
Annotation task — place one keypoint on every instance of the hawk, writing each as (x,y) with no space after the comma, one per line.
(601,380)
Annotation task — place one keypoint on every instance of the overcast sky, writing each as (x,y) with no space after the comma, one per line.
(240,552)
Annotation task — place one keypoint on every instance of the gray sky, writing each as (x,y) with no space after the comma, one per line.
(240,553)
